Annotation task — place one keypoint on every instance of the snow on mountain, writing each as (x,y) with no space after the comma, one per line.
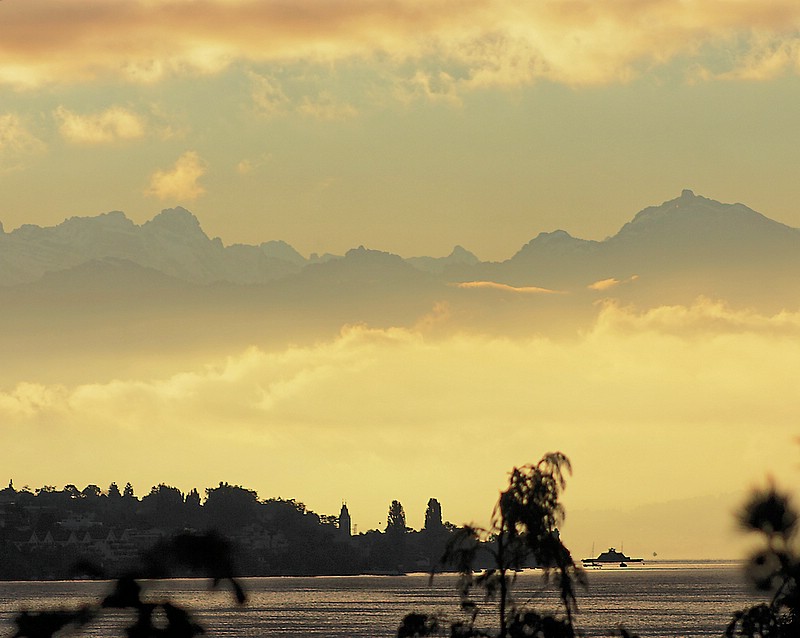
(173,243)
(691,244)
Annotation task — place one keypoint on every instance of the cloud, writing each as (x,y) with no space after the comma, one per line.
(470,43)
(468,377)
(493,285)
(181,181)
(16,142)
(268,95)
(704,317)
(271,100)
(244,167)
(247,165)
(606,284)
(326,107)
(678,402)
(111,125)
(440,87)
(767,58)
(30,400)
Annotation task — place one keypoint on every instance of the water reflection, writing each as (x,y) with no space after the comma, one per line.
(656,599)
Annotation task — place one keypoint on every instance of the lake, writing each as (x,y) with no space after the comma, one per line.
(656,600)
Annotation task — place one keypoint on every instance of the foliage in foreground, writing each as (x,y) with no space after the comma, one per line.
(773,569)
(206,555)
(524,526)
(523,531)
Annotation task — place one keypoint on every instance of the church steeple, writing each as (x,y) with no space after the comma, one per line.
(344,522)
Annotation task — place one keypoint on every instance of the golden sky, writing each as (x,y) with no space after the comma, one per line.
(406,126)
(669,416)
(410,126)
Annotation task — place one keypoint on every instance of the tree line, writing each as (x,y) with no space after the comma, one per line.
(46,532)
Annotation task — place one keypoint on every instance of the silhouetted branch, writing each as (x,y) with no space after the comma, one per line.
(524,528)
(208,554)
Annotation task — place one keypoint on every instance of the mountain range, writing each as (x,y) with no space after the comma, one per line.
(128,294)
(686,235)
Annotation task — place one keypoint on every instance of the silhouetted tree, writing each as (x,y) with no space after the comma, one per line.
(524,527)
(774,569)
(193,498)
(230,507)
(432,540)
(433,515)
(396,519)
(193,511)
(91,491)
(113,492)
(163,506)
(128,491)
(390,551)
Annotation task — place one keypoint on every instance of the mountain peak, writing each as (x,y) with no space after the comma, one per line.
(178,220)
(111,219)
(557,239)
(686,206)
(693,219)
(279,249)
(554,236)
(364,254)
(460,254)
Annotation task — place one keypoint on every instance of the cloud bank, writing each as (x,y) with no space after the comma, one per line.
(470,43)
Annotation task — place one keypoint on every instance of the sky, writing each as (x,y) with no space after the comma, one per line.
(411,126)
(406,126)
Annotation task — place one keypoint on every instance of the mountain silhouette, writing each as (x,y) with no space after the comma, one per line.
(685,247)
(173,243)
(83,279)
(686,235)
(103,295)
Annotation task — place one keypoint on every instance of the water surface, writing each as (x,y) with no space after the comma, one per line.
(656,600)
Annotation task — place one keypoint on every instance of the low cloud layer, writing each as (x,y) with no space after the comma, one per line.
(470,43)
(677,403)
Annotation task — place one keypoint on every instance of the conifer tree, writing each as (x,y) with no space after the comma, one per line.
(113,492)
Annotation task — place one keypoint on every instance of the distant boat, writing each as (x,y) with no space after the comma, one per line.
(611,556)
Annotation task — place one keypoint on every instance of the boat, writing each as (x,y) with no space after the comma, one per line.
(611,556)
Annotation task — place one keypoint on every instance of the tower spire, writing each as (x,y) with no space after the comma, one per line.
(344,521)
